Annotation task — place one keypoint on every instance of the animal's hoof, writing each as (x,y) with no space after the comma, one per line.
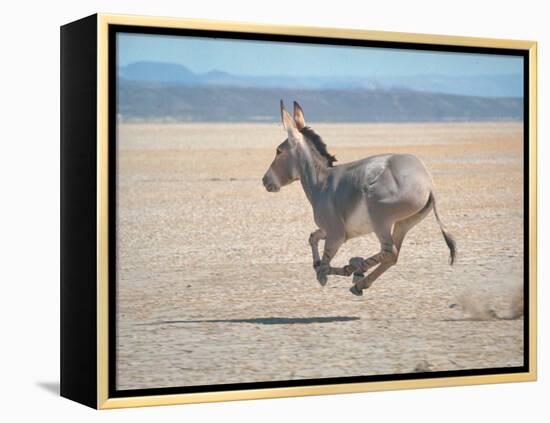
(358,277)
(322,278)
(356,291)
(356,262)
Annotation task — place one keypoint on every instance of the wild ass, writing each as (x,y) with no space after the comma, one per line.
(387,194)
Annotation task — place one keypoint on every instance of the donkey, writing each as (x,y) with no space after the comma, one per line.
(387,194)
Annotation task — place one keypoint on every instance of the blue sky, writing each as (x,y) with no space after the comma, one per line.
(256,58)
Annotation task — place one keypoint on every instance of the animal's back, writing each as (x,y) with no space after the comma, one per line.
(398,181)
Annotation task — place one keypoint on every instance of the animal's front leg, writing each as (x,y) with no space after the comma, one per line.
(332,245)
(314,239)
(341,271)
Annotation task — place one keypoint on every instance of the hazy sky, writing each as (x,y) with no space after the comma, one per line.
(260,58)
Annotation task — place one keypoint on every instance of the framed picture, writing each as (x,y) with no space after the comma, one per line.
(252,211)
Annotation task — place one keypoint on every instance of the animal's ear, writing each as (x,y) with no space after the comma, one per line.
(299,117)
(289,124)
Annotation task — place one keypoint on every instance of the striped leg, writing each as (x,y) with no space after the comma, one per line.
(332,245)
(361,265)
(314,240)
(387,257)
(341,271)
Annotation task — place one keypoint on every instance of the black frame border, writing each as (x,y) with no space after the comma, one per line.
(113,30)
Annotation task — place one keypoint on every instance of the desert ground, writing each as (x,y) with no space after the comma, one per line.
(214,275)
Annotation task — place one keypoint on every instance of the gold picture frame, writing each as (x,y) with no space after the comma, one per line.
(86,380)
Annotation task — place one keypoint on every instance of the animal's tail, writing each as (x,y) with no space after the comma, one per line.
(451,243)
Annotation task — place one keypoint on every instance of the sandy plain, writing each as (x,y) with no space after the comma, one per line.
(214,276)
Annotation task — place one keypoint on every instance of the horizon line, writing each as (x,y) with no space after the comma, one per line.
(485,75)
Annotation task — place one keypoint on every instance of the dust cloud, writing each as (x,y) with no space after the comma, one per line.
(482,304)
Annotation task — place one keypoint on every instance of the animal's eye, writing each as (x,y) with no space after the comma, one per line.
(278,152)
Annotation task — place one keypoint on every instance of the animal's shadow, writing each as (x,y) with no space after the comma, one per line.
(267,320)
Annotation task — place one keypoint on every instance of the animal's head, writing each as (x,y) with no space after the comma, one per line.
(284,168)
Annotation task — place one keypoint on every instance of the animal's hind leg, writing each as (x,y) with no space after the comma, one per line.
(400,229)
(367,281)
(387,250)
(359,265)
(384,259)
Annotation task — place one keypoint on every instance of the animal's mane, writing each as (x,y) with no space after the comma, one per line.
(316,140)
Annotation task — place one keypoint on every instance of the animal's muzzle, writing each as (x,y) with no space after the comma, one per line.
(269,184)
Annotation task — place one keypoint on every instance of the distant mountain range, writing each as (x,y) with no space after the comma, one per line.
(153,101)
(504,85)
